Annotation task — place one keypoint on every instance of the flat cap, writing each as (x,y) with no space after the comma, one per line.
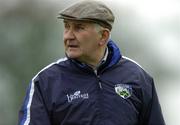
(89,10)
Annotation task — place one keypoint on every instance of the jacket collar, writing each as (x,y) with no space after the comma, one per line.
(115,54)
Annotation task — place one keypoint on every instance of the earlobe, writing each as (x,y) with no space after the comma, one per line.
(101,43)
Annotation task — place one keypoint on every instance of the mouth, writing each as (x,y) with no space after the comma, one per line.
(73,46)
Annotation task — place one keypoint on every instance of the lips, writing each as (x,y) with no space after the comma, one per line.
(73,46)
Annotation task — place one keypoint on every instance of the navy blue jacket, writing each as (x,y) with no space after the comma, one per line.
(68,92)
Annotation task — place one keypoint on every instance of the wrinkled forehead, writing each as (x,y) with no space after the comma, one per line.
(82,22)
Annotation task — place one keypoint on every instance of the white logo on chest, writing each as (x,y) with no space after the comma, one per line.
(77,95)
(123,90)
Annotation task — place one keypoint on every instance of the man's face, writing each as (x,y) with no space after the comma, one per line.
(80,39)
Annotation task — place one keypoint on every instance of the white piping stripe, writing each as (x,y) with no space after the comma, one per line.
(28,117)
(29,104)
(61,60)
(132,61)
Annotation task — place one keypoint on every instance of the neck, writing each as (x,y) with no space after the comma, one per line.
(94,61)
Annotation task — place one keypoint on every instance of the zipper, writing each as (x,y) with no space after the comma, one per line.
(99,99)
(99,82)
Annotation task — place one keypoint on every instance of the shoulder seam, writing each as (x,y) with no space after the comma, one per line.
(142,68)
(132,61)
(51,64)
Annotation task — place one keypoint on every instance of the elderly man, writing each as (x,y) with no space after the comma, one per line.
(94,84)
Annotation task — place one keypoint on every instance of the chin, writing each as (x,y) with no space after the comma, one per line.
(72,55)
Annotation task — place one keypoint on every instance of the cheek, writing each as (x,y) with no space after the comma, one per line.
(88,40)
(88,37)
(65,45)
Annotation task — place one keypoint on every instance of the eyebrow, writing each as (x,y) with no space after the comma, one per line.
(76,23)
(65,21)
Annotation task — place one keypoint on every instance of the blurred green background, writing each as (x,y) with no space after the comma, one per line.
(31,38)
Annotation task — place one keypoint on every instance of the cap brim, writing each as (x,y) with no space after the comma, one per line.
(74,18)
(100,22)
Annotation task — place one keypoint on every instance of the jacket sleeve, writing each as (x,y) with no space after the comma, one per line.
(152,114)
(33,111)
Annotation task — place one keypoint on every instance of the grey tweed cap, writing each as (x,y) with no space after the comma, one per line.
(89,10)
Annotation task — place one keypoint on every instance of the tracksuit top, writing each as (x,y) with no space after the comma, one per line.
(69,92)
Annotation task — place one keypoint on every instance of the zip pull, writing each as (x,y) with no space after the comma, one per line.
(100,84)
(95,71)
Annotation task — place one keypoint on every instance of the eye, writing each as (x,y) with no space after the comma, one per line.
(66,26)
(79,27)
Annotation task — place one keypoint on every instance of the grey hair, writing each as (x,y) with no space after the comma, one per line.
(99,29)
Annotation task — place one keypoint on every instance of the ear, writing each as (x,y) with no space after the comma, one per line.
(104,37)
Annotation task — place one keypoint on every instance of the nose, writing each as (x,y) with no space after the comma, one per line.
(69,34)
